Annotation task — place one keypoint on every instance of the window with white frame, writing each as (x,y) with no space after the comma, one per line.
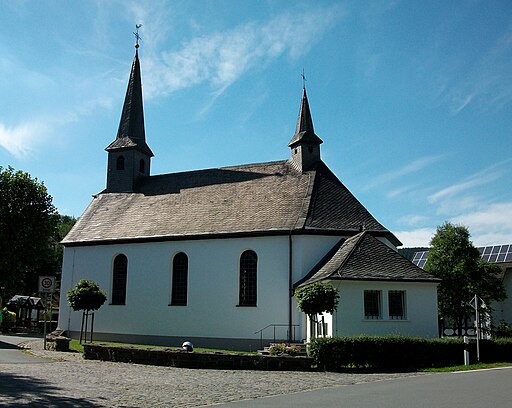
(396,303)
(372,308)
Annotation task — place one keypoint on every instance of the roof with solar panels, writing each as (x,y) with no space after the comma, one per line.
(491,253)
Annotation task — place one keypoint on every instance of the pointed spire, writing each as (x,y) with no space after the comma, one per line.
(305,133)
(131,132)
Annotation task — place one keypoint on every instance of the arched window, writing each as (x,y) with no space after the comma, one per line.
(120,163)
(119,276)
(248,274)
(179,280)
(142,166)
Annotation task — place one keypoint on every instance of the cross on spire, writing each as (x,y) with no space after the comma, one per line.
(303,79)
(137,36)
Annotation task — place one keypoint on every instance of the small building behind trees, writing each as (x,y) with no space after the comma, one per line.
(499,258)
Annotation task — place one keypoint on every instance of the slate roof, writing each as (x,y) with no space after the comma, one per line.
(264,198)
(364,257)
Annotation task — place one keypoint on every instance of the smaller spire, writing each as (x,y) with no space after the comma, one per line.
(305,132)
(305,144)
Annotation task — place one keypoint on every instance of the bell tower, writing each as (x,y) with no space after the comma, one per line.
(129,157)
(305,144)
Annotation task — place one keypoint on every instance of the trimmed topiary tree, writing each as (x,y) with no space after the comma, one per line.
(315,299)
(86,296)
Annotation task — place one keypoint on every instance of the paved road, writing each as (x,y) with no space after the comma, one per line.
(69,381)
(11,354)
(471,389)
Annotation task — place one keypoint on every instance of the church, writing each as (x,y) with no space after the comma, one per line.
(214,256)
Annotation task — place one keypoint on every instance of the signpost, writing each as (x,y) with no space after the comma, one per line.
(476,303)
(46,289)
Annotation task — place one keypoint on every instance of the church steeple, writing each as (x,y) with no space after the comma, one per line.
(129,156)
(305,144)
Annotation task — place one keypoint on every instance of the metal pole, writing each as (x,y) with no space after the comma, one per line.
(51,311)
(44,324)
(86,321)
(82,327)
(477,309)
(92,325)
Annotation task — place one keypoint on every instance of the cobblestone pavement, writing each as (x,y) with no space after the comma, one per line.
(69,381)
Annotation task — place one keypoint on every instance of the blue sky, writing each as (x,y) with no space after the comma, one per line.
(412,99)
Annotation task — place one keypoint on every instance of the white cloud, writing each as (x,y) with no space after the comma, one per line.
(397,192)
(409,168)
(483,177)
(414,219)
(486,81)
(20,140)
(416,238)
(456,205)
(489,225)
(221,58)
(24,138)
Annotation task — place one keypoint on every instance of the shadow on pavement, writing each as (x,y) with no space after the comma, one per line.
(18,391)
(5,346)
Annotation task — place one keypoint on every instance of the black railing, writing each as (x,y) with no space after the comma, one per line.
(273,326)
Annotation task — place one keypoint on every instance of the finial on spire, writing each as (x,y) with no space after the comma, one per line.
(303,79)
(137,36)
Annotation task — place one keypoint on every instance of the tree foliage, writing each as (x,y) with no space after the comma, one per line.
(455,260)
(28,231)
(317,298)
(86,295)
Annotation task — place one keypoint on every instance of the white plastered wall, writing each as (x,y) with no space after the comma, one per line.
(421,309)
(213,279)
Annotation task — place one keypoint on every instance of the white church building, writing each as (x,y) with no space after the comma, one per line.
(214,256)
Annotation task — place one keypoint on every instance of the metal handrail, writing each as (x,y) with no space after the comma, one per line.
(274,325)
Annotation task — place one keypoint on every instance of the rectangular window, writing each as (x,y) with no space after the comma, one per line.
(372,304)
(396,301)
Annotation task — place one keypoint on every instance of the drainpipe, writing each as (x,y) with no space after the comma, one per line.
(290,283)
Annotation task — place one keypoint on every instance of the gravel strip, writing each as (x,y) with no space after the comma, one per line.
(67,380)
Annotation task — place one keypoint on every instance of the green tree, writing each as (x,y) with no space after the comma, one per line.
(455,260)
(28,231)
(315,299)
(86,296)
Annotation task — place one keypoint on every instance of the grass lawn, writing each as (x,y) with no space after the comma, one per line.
(75,345)
(479,366)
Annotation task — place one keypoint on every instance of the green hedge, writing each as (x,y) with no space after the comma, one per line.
(401,353)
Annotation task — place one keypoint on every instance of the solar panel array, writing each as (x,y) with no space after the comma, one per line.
(493,253)
(420,258)
(496,253)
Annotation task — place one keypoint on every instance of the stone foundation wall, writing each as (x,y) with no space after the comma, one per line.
(178,358)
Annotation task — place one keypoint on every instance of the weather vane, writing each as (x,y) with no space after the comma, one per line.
(137,36)
(303,79)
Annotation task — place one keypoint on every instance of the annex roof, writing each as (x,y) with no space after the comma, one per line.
(364,257)
(263,198)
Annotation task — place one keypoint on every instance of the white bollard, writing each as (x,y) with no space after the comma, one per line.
(466,350)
